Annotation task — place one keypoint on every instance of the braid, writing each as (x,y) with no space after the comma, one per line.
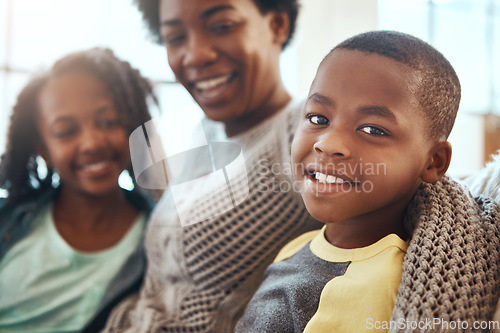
(18,166)
(130,91)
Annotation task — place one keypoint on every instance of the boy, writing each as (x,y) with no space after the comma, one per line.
(403,247)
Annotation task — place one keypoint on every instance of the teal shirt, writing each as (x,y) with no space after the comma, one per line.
(47,286)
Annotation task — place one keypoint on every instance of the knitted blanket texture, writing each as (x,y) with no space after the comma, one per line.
(452,267)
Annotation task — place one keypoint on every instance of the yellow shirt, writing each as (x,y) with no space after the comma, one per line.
(314,286)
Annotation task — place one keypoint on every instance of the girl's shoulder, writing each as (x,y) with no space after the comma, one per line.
(3,204)
(29,204)
(142,201)
(3,201)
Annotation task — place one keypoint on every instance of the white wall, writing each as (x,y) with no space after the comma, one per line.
(323,24)
(467,141)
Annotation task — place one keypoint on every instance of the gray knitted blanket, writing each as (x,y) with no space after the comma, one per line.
(451,272)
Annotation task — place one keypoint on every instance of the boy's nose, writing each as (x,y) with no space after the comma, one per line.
(334,143)
(199,52)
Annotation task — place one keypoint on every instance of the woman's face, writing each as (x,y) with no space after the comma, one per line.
(83,135)
(226,54)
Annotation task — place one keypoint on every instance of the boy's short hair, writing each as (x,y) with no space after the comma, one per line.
(438,88)
(149,10)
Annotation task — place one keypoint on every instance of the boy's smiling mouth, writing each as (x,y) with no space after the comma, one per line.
(326,178)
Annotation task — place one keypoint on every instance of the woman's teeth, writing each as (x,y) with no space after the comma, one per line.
(211,83)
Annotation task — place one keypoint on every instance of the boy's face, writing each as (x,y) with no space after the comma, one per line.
(360,147)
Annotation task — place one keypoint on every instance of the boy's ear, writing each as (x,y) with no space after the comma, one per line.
(280,25)
(440,158)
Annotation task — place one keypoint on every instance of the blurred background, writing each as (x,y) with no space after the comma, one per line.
(34,33)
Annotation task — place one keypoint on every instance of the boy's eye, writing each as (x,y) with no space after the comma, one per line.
(317,119)
(372,130)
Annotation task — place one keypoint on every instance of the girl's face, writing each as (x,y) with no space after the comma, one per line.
(226,54)
(83,136)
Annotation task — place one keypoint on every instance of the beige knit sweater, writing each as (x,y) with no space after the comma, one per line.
(451,271)
(201,276)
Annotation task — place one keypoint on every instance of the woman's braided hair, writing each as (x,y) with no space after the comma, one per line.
(18,165)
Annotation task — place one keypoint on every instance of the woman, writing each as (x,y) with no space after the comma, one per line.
(201,274)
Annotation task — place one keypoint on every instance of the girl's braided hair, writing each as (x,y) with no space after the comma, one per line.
(18,165)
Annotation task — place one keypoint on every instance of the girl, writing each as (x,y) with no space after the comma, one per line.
(71,237)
